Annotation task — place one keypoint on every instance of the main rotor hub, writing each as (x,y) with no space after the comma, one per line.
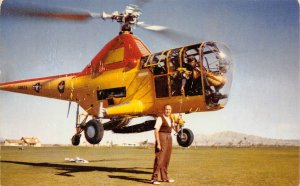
(128,19)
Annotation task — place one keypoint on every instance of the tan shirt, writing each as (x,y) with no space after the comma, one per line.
(159,122)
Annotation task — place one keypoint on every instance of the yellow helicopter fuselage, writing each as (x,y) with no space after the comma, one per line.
(130,81)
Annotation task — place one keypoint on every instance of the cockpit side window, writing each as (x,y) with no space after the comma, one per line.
(192,81)
(175,71)
(156,63)
(191,52)
(174,60)
(159,62)
(144,61)
(212,59)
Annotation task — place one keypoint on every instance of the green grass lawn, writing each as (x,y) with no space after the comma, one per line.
(133,166)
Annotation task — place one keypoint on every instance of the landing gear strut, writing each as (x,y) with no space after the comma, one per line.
(93,130)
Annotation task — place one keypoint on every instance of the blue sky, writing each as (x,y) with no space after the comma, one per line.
(263,37)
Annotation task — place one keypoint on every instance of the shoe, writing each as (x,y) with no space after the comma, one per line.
(169,181)
(155,182)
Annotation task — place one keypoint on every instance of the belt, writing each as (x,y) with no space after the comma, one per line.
(164,132)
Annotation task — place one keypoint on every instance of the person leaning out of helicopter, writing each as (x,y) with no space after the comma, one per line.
(189,83)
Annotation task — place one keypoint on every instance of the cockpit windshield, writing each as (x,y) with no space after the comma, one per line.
(217,64)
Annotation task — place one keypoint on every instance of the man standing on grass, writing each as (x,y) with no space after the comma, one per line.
(163,145)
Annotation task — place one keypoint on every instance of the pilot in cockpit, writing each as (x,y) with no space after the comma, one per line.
(191,83)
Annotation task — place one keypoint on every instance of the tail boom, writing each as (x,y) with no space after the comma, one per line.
(59,87)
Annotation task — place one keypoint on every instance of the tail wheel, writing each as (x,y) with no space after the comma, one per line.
(76,139)
(185,137)
(93,131)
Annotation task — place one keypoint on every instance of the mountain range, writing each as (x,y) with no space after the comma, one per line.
(230,138)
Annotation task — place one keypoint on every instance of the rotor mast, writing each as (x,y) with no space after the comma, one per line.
(127,19)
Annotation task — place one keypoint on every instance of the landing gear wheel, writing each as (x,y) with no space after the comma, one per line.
(93,131)
(76,139)
(185,137)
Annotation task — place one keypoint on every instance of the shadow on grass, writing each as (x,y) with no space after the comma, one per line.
(102,160)
(67,170)
(130,178)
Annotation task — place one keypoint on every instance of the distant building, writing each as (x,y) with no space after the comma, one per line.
(24,141)
(33,141)
(13,142)
(146,143)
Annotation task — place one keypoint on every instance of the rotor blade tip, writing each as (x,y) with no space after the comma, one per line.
(156,28)
(1,1)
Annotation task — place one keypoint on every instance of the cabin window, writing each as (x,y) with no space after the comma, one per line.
(114,56)
(156,63)
(175,71)
(111,93)
(192,81)
(176,84)
(191,52)
(161,86)
(174,60)
(159,64)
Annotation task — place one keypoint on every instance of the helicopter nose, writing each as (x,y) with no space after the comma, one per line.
(218,65)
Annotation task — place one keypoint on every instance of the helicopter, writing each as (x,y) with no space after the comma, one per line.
(125,80)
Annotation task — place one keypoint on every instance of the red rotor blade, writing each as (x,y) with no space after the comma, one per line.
(51,13)
(65,16)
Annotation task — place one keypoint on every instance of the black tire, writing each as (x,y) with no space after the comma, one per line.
(185,137)
(93,132)
(76,139)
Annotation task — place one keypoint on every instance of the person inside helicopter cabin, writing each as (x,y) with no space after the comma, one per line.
(163,145)
(191,83)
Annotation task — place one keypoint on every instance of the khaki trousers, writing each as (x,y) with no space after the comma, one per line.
(162,157)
